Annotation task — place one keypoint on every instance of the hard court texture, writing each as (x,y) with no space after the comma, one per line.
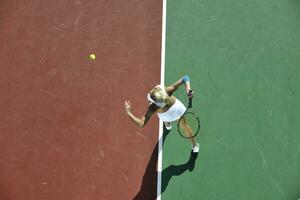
(243,58)
(63,132)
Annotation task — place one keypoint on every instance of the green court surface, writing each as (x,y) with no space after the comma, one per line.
(243,58)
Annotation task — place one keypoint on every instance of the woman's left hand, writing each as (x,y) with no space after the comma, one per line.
(127,106)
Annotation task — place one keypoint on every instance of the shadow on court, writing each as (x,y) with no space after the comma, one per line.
(149,184)
(176,170)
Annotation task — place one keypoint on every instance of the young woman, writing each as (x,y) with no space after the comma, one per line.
(167,106)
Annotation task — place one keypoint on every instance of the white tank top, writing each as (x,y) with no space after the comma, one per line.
(173,113)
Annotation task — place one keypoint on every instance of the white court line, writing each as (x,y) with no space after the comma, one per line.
(162,82)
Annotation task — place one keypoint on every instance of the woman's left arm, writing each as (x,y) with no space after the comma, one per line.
(140,122)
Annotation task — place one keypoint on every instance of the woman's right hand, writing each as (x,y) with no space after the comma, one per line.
(127,106)
(190,93)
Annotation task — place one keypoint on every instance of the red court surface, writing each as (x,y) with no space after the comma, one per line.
(64,134)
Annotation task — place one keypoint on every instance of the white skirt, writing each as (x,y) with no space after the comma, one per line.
(174,112)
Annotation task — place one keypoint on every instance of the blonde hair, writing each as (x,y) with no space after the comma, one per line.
(157,94)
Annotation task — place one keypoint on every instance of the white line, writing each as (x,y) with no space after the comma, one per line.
(159,163)
(162,82)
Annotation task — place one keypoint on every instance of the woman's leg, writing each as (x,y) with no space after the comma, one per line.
(187,130)
(168,125)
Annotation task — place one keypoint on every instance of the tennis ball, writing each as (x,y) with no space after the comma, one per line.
(92,56)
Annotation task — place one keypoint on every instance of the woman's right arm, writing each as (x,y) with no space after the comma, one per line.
(184,80)
(140,122)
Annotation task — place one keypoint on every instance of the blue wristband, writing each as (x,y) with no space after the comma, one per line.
(185,79)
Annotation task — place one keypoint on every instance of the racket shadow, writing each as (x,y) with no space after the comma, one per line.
(148,188)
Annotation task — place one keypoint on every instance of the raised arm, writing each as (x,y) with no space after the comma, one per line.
(140,122)
(183,80)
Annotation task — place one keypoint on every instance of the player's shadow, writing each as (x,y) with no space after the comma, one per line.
(148,190)
(176,170)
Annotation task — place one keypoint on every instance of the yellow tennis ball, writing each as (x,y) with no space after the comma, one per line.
(92,56)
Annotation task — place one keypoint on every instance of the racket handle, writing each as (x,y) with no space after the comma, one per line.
(190,102)
(190,95)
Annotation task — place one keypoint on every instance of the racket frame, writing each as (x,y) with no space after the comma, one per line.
(188,111)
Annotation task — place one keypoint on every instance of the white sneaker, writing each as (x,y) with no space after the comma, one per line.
(196,148)
(168,125)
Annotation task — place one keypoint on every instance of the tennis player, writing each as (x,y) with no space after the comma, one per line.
(167,106)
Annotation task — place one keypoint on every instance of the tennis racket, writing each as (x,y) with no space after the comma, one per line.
(189,124)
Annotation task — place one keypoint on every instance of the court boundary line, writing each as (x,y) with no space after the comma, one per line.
(162,82)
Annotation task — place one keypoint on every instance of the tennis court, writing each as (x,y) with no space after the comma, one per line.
(64,133)
(243,59)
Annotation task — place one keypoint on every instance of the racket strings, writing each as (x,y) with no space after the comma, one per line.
(189,125)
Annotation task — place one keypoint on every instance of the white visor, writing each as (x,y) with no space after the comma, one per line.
(162,104)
